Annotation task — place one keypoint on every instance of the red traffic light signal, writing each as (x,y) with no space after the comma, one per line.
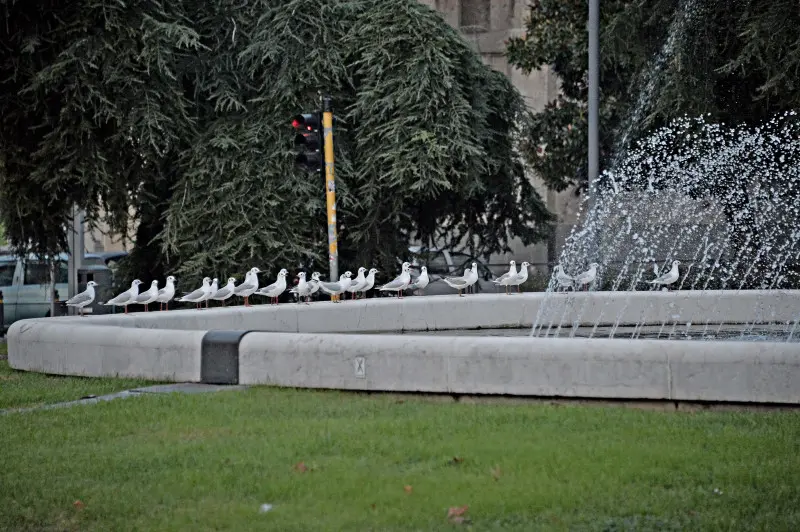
(308,140)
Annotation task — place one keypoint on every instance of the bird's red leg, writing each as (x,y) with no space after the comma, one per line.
(126,309)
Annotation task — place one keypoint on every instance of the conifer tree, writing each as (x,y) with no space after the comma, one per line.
(180,112)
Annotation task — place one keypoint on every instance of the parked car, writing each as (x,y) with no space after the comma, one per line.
(25,283)
(446,263)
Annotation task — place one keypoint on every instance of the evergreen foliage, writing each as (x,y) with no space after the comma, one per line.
(181,110)
(735,61)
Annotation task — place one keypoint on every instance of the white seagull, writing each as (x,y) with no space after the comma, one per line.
(275,289)
(472,277)
(303,288)
(669,277)
(225,292)
(370,281)
(145,298)
(248,286)
(313,286)
(336,288)
(199,295)
(399,283)
(128,297)
(588,276)
(459,283)
(564,281)
(422,281)
(358,283)
(166,294)
(212,289)
(314,282)
(84,298)
(522,275)
(509,277)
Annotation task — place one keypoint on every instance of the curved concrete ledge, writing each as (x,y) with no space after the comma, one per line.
(287,346)
(102,351)
(563,367)
(475,311)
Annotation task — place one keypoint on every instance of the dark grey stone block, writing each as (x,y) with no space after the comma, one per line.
(219,357)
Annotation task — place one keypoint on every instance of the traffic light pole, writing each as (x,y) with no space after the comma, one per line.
(330,185)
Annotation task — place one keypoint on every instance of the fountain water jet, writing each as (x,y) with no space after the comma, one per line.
(721,199)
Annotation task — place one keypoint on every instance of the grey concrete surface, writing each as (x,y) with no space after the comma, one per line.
(291,350)
(481,310)
(766,372)
(48,346)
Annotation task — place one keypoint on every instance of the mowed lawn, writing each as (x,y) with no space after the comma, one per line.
(339,461)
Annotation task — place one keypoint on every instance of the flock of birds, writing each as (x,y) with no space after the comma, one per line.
(584,279)
(363,282)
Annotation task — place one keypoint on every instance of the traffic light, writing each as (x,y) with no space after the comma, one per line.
(308,140)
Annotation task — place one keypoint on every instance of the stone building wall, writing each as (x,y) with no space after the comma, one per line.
(487,24)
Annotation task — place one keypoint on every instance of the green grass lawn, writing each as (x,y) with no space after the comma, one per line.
(23,389)
(209,461)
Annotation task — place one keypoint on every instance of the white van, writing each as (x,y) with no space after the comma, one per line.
(25,283)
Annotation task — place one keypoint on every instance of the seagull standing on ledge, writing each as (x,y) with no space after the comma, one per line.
(335,288)
(508,277)
(225,292)
(399,283)
(303,288)
(369,281)
(669,277)
(212,289)
(145,298)
(199,295)
(248,286)
(522,276)
(275,289)
(472,278)
(128,297)
(84,298)
(314,282)
(564,281)
(166,294)
(459,283)
(422,281)
(588,276)
(358,283)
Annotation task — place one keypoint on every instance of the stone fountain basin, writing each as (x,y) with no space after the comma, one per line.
(355,345)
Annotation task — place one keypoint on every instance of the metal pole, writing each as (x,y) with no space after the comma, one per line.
(594,99)
(52,287)
(75,260)
(330,185)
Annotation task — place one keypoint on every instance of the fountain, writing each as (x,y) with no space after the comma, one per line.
(722,200)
